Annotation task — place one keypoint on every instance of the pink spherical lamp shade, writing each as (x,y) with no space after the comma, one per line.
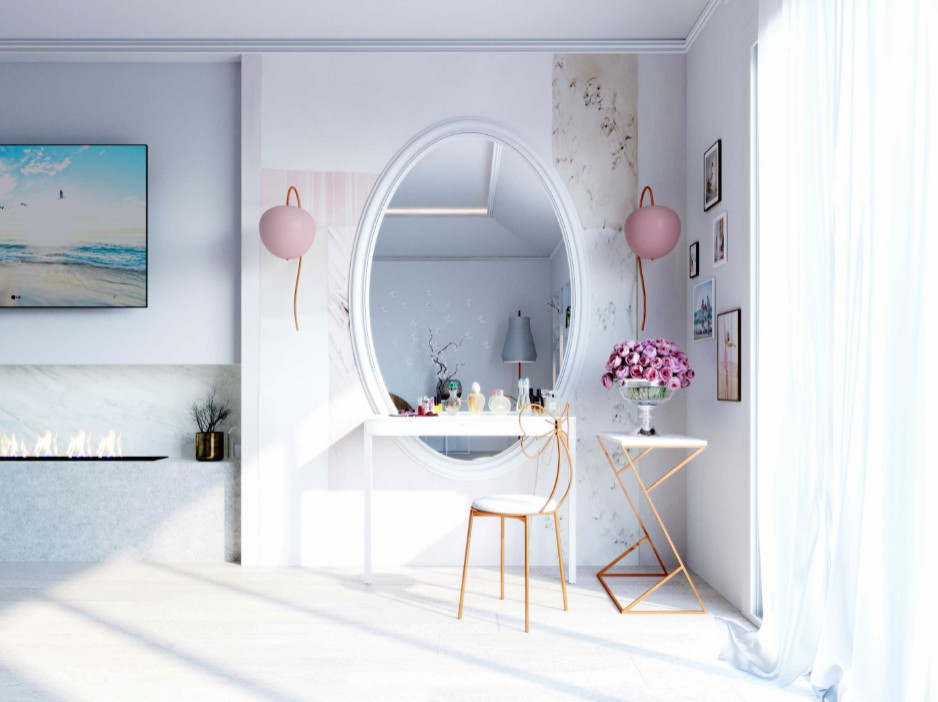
(652,232)
(287,231)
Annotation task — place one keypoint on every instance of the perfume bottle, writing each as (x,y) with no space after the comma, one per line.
(453,403)
(523,398)
(498,403)
(476,399)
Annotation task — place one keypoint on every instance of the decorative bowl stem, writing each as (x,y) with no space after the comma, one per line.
(645,397)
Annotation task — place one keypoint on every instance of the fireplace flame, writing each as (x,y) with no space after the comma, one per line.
(80,445)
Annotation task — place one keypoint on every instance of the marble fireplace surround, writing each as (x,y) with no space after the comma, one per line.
(172,511)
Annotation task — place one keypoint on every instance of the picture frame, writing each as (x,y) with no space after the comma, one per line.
(720,240)
(74,226)
(729,355)
(713,175)
(702,321)
(693,261)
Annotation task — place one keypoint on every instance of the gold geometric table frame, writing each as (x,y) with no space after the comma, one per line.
(648,444)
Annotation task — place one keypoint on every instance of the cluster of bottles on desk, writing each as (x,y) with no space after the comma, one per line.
(539,399)
(498,402)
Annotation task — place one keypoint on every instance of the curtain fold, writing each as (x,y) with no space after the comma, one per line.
(846,372)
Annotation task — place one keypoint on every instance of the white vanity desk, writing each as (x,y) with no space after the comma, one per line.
(465,424)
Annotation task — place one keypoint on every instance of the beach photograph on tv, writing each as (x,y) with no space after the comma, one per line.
(73,225)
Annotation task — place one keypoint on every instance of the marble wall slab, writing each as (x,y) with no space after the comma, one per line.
(148,405)
(171,511)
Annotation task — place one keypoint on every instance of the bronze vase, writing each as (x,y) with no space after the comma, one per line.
(209,446)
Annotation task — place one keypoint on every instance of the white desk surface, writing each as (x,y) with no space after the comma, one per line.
(656,441)
(461,424)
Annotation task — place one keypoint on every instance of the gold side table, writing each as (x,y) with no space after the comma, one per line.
(647,444)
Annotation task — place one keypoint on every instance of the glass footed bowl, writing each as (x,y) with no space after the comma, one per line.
(645,397)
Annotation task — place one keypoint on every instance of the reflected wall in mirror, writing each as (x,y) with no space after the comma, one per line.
(469,238)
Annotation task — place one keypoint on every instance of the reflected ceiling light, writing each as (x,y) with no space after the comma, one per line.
(439,211)
(651,232)
(288,232)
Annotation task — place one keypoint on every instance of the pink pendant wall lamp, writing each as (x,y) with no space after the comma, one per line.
(288,232)
(651,232)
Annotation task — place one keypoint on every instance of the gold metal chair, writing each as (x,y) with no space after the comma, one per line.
(524,507)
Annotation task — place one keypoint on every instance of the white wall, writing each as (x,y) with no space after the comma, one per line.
(188,114)
(662,165)
(719,483)
(350,113)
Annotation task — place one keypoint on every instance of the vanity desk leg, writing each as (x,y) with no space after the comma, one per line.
(367,462)
(571,510)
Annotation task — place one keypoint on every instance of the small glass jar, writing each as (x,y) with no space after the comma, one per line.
(498,403)
(476,399)
(453,403)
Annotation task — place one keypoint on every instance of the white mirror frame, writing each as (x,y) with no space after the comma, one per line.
(360,283)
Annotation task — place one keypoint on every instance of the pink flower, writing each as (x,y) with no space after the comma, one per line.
(689,374)
(607,381)
(651,374)
(685,383)
(681,356)
(615,360)
(618,350)
(634,359)
(674,365)
(622,372)
(635,371)
(650,352)
(674,383)
(665,374)
(657,362)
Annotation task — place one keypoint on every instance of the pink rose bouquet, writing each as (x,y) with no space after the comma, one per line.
(657,361)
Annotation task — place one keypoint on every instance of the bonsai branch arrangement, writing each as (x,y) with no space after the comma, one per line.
(208,415)
(444,374)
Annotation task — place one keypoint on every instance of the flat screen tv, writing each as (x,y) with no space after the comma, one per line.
(73,225)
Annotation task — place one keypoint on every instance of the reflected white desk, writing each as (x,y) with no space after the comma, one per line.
(465,424)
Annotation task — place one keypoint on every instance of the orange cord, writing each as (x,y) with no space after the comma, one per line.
(296,321)
(644,298)
(296,290)
(640,272)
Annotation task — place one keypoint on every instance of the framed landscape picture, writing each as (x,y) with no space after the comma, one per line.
(728,355)
(694,259)
(713,176)
(720,240)
(704,300)
(73,225)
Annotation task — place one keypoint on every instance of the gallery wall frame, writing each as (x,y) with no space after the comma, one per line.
(729,356)
(713,175)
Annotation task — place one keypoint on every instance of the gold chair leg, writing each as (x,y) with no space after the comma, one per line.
(563,584)
(527,624)
(502,597)
(465,566)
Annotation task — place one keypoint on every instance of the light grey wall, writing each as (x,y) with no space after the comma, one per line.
(469,300)
(719,483)
(189,115)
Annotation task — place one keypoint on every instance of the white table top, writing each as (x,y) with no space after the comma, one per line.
(461,424)
(656,441)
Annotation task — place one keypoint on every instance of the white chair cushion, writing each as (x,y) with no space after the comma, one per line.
(513,504)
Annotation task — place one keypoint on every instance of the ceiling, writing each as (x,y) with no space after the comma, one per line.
(471,172)
(311,20)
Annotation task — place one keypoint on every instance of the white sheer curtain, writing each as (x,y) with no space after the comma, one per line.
(847,435)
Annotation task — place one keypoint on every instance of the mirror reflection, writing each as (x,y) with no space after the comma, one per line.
(470,285)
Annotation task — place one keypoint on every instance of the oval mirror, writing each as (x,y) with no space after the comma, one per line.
(470,274)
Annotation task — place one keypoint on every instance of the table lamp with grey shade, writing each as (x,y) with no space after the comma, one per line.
(519,342)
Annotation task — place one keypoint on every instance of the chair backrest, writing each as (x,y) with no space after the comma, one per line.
(557,435)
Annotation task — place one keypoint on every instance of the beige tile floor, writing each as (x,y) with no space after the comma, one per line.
(128,632)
